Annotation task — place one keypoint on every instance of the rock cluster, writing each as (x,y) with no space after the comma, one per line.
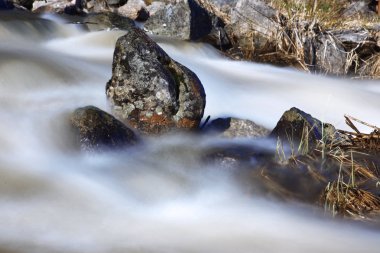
(247,29)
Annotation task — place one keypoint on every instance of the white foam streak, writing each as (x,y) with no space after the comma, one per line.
(262,92)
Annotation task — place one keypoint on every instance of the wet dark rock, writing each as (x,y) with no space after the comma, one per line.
(150,91)
(95,130)
(301,131)
(234,127)
(187,20)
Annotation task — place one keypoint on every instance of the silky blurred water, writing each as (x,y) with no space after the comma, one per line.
(157,197)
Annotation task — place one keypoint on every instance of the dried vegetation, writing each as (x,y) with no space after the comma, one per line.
(351,167)
(305,38)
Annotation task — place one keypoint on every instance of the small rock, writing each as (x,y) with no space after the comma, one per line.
(150,91)
(96,130)
(233,128)
(301,131)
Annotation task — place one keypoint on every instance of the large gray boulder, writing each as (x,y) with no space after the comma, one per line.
(96,130)
(254,26)
(149,90)
(187,20)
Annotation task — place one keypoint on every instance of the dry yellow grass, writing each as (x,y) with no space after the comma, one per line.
(327,13)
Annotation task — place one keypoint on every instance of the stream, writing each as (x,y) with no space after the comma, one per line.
(157,197)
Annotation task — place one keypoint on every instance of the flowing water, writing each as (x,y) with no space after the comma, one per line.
(156,197)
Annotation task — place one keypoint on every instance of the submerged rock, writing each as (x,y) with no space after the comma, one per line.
(149,90)
(301,131)
(96,130)
(234,127)
(236,155)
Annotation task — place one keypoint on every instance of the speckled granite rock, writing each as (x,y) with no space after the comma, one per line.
(150,91)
